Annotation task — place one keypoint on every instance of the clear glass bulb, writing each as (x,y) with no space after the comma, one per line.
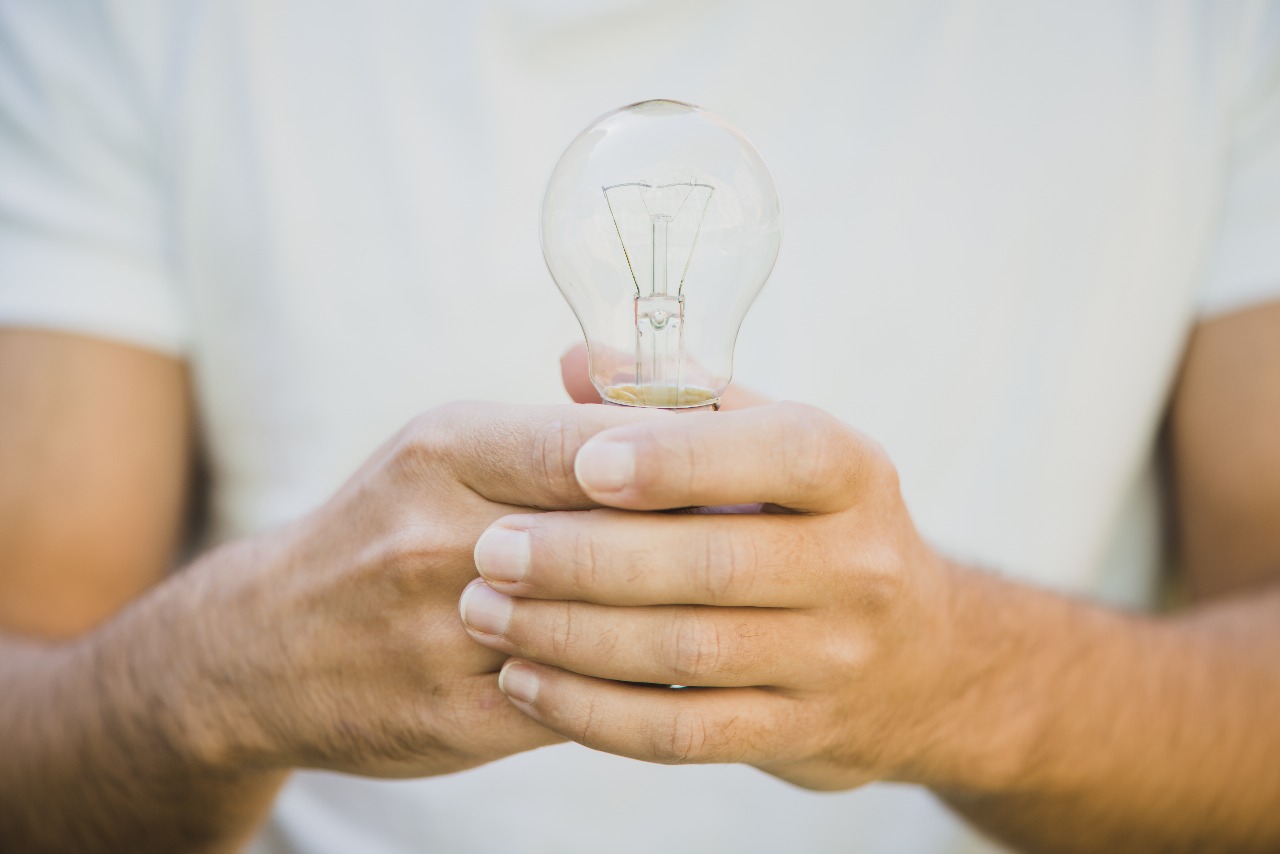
(660,225)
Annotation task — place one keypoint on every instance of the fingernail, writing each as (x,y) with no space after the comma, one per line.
(518,681)
(485,609)
(605,466)
(503,554)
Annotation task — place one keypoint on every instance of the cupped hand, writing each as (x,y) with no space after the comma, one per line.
(812,636)
(335,642)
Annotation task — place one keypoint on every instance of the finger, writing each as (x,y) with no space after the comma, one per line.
(516,455)
(613,557)
(786,454)
(480,699)
(575,372)
(651,723)
(398,747)
(740,397)
(721,647)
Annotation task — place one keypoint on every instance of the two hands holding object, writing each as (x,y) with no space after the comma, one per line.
(820,627)
(824,641)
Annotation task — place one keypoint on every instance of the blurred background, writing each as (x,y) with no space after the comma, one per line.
(1000,221)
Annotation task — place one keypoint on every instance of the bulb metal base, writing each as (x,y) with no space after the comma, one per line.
(688,399)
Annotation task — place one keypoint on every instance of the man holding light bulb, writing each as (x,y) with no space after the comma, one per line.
(227,215)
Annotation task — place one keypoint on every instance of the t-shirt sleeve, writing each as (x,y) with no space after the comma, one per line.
(82,244)
(1244,265)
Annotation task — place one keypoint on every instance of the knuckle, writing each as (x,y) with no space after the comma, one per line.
(728,565)
(833,459)
(850,656)
(447,421)
(684,740)
(426,441)
(563,637)
(809,466)
(808,461)
(584,560)
(451,412)
(555,442)
(882,580)
(697,648)
(882,470)
(588,724)
(865,465)
(410,557)
(691,462)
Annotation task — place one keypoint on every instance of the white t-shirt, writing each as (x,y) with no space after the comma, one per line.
(1001,221)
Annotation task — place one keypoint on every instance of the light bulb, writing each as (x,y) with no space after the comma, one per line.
(660,225)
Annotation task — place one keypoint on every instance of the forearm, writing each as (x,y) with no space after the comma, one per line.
(1099,730)
(107,746)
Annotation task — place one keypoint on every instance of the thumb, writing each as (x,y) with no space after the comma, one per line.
(577,381)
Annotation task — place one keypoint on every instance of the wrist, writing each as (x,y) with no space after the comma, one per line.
(985,713)
(179,661)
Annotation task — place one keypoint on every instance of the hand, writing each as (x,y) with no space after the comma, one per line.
(335,643)
(815,634)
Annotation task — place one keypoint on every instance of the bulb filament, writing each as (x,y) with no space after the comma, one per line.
(659,314)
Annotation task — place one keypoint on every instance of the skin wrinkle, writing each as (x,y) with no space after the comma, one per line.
(636,569)
(607,645)
(421,448)
(886,659)
(555,466)
(687,738)
(563,637)
(806,471)
(240,666)
(742,569)
(754,648)
(812,463)
(696,646)
(720,566)
(690,463)
(733,741)
(588,723)
(1056,723)
(592,564)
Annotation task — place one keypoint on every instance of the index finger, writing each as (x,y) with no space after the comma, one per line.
(612,557)
(787,454)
